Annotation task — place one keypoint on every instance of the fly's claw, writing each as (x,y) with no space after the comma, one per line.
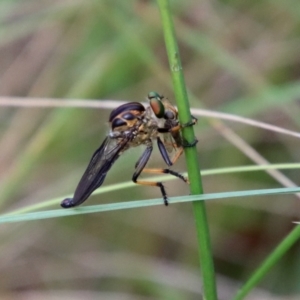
(192,122)
(186,144)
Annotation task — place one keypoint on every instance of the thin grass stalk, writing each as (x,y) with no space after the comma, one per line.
(28,214)
(269,262)
(204,245)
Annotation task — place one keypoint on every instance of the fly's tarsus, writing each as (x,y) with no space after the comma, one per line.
(163,192)
(176,174)
(186,144)
(190,123)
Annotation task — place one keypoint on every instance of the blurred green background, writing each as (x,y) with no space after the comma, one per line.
(240,57)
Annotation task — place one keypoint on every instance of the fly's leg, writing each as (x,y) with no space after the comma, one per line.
(186,144)
(140,168)
(177,155)
(176,128)
(159,184)
(169,162)
(190,123)
(166,171)
(165,155)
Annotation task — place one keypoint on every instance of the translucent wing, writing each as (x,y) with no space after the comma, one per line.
(169,142)
(100,164)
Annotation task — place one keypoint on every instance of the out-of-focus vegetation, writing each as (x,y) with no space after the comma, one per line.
(240,57)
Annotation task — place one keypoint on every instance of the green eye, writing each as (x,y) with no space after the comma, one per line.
(156,104)
(153,95)
(157,107)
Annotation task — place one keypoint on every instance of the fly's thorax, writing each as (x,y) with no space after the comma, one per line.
(149,125)
(145,132)
(145,129)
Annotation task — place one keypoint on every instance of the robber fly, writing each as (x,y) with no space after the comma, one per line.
(132,125)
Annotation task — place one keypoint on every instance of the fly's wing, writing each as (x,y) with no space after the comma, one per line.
(169,142)
(93,177)
(172,139)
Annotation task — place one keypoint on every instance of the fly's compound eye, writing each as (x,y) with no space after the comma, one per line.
(155,95)
(156,104)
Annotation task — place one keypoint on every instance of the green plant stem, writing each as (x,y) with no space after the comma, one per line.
(270,261)
(204,245)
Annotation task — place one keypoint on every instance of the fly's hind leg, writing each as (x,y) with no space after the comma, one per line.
(160,184)
(166,171)
(140,167)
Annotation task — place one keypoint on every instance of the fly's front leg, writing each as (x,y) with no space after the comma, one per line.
(175,130)
(165,155)
(190,123)
(193,122)
(178,126)
(140,167)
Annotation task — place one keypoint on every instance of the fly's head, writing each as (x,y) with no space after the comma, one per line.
(163,109)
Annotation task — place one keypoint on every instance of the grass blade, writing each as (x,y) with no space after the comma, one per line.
(10,218)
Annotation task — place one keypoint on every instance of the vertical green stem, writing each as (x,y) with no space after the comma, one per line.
(204,245)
